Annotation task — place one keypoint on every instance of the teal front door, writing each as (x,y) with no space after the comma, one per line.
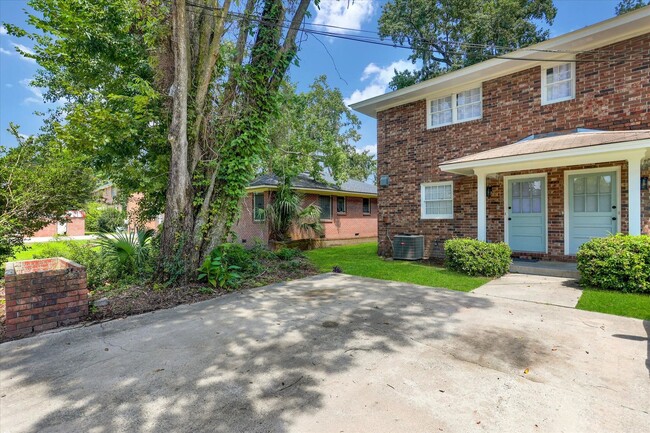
(593,207)
(527,215)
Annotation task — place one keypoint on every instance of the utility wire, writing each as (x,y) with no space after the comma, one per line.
(376,40)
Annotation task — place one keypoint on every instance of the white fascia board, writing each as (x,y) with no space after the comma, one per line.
(604,33)
(556,158)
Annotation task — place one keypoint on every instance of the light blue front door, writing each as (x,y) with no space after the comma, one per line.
(593,207)
(527,214)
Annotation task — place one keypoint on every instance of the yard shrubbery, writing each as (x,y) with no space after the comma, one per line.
(474,257)
(620,262)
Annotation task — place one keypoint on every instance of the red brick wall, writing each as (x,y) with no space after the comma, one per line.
(132,212)
(608,96)
(353,224)
(74,227)
(43,294)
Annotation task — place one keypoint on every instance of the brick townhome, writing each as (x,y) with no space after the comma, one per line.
(349,212)
(543,150)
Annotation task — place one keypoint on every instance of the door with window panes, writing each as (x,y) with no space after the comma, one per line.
(527,214)
(593,207)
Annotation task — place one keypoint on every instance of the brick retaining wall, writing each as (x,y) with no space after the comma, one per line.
(43,294)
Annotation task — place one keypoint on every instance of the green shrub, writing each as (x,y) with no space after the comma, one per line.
(288,253)
(127,251)
(474,257)
(620,262)
(217,272)
(50,250)
(110,220)
(98,271)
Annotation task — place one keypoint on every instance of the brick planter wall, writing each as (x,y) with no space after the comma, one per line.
(44,294)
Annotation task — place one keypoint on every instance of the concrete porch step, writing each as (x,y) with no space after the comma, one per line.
(549,269)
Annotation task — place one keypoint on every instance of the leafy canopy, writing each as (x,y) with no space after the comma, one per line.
(316,132)
(630,5)
(40,180)
(450,34)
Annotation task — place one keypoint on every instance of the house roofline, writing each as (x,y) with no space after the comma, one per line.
(261,188)
(601,34)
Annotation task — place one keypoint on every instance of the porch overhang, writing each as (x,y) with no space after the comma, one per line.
(556,151)
(559,150)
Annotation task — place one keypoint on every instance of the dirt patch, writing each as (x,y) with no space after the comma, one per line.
(137,299)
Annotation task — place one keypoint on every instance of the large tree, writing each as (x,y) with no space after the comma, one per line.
(449,34)
(316,133)
(172,98)
(630,5)
(40,179)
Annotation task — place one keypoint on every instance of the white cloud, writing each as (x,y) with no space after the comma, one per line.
(6,52)
(25,50)
(340,13)
(378,79)
(37,94)
(371,148)
(3,30)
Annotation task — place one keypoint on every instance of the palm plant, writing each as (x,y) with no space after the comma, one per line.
(127,251)
(285,212)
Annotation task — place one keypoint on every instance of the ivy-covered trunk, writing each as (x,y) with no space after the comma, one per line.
(218,127)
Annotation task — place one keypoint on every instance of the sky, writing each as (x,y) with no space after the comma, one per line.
(359,70)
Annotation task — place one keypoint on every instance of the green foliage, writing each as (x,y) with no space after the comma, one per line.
(362,260)
(218,273)
(620,262)
(450,34)
(625,6)
(127,251)
(95,56)
(285,213)
(40,180)
(474,257)
(111,220)
(316,131)
(288,253)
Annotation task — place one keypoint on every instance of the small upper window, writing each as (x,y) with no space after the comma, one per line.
(366,206)
(558,83)
(340,204)
(455,108)
(325,203)
(437,200)
(258,206)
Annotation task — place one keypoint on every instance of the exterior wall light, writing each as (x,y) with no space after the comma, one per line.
(644,183)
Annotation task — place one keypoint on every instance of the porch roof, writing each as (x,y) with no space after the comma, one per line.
(553,150)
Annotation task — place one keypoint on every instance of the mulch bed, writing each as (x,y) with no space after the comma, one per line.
(137,299)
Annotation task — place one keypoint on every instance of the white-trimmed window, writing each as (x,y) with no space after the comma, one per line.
(258,207)
(455,108)
(558,83)
(341,205)
(437,200)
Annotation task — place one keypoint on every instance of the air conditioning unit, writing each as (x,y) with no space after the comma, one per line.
(408,247)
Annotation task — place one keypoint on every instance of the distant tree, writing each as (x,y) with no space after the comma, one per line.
(316,133)
(630,5)
(450,34)
(40,179)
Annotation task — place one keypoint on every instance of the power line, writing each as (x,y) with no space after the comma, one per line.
(376,40)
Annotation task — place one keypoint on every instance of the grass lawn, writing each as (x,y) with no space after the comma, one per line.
(620,304)
(39,248)
(362,260)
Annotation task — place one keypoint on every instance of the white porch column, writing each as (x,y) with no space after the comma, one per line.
(634,193)
(481,212)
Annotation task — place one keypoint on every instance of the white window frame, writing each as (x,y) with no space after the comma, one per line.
(545,100)
(423,207)
(454,106)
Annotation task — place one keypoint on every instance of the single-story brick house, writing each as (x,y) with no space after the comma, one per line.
(544,149)
(75,225)
(348,212)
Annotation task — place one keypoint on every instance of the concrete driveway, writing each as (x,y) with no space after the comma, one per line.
(335,353)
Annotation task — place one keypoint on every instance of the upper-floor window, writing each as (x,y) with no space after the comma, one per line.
(558,83)
(437,200)
(455,108)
